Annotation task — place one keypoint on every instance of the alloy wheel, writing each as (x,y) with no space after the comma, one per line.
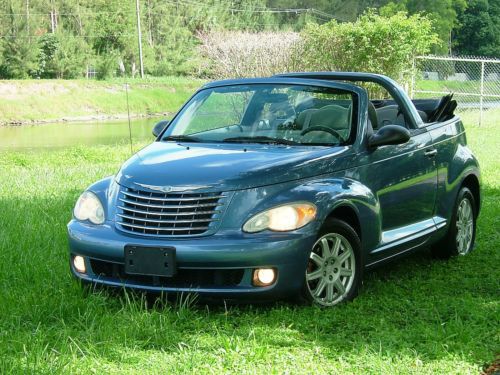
(331,269)
(465,226)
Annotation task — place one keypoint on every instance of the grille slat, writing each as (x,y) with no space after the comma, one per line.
(136,218)
(167,206)
(168,214)
(190,213)
(184,199)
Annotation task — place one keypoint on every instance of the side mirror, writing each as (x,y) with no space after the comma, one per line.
(389,135)
(158,128)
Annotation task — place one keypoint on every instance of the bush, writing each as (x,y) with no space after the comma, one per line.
(385,45)
(107,66)
(247,54)
(373,43)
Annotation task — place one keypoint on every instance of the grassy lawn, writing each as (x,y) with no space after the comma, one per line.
(459,86)
(416,316)
(24,101)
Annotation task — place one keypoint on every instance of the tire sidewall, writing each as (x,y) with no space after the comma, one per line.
(345,230)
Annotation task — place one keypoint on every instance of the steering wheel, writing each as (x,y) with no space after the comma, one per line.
(325,129)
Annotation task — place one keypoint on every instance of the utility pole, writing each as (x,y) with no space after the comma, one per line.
(28,19)
(139,36)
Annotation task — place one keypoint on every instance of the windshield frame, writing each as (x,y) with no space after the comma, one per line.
(358,95)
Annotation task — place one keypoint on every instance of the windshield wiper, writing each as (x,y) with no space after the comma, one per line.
(261,139)
(181,138)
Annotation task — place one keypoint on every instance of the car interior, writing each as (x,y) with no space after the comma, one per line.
(318,117)
(430,110)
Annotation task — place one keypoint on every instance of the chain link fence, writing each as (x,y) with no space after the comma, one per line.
(475,83)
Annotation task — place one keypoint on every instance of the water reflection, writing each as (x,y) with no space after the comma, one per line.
(62,135)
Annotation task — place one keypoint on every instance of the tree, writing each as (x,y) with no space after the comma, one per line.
(479,30)
(18,53)
(443,13)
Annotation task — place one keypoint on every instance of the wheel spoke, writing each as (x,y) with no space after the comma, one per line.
(325,247)
(336,247)
(317,259)
(329,292)
(467,210)
(319,289)
(344,256)
(345,272)
(339,286)
(314,275)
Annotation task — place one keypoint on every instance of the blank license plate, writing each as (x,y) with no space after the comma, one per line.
(153,261)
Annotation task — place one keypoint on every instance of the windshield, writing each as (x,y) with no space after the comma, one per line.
(263,113)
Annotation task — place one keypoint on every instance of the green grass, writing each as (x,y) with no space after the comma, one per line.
(416,316)
(24,101)
(459,86)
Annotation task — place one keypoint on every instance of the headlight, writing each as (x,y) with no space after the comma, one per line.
(89,207)
(282,218)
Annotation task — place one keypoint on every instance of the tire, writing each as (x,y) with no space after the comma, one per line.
(459,240)
(334,272)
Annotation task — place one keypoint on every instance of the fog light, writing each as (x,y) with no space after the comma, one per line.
(264,276)
(79,264)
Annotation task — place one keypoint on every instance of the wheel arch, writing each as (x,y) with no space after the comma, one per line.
(348,213)
(471,181)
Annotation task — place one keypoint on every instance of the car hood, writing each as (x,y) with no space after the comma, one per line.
(170,166)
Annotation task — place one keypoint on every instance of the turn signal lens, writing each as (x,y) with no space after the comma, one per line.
(282,218)
(264,276)
(79,264)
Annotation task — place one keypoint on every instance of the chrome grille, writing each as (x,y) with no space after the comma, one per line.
(168,214)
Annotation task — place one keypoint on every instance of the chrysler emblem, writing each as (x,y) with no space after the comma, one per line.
(169,189)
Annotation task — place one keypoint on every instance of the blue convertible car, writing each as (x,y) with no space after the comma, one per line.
(291,185)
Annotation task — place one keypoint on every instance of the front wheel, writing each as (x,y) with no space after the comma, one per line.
(334,271)
(462,231)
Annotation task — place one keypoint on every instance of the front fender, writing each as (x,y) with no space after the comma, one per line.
(326,193)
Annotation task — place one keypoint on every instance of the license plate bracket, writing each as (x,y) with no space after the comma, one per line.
(150,261)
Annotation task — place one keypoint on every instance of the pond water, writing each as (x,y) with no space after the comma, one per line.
(62,135)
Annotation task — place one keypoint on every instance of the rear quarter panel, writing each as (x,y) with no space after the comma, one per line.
(454,162)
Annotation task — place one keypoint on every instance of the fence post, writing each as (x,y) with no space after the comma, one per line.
(482,94)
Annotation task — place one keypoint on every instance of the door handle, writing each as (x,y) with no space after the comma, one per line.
(431,153)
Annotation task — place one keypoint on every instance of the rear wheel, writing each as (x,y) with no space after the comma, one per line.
(334,269)
(462,231)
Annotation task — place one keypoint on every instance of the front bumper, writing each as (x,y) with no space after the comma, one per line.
(220,265)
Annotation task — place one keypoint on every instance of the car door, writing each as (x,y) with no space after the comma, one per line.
(404,178)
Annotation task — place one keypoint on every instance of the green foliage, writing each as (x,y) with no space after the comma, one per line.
(106,66)
(443,13)
(19,58)
(479,33)
(18,51)
(373,43)
(47,47)
(71,57)
(82,33)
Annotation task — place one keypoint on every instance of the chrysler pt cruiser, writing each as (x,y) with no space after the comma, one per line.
(277,187)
